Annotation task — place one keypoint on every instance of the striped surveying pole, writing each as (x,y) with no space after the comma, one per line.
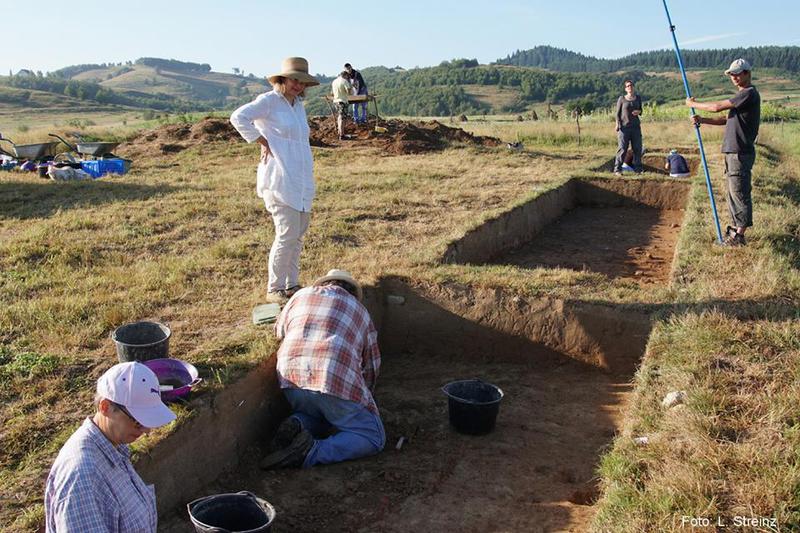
(696,126)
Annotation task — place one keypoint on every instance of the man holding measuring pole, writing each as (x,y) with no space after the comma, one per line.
(738,145)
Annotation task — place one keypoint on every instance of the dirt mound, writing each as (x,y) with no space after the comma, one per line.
(400,137)
(173,138)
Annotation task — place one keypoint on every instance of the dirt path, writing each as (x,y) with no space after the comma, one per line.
(535,472)
(622,242)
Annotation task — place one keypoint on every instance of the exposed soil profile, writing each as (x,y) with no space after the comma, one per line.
(635,243)
(534,472)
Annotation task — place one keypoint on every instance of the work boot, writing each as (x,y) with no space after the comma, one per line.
(737,239)
(277,297)
(292,456)
(285,434)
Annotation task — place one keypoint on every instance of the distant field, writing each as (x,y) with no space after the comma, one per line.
(489,94)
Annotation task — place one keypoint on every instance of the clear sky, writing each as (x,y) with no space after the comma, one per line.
(255,35)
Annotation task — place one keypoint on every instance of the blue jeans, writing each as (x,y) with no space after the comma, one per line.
(359,431)
(360,110)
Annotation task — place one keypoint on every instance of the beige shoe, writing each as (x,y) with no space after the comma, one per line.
(277,297)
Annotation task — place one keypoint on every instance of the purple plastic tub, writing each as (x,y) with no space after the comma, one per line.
(179,375)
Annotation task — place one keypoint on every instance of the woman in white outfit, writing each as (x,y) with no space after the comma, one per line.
(277,121)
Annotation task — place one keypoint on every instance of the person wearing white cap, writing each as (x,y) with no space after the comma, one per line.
(327,366)
(92,486)
(277,121)
(738,145)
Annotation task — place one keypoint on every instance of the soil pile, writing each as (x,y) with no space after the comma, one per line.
(173,138)
(400,137)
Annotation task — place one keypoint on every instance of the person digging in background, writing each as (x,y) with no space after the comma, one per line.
(327,366)
(92,486)
(738,145)
(676,164)
(360,88)
(341,89)
(277,121)
(628,128)
(627,163)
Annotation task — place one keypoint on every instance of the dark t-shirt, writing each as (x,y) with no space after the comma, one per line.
(625,108)
(741,129)
(677,164)
(358,82)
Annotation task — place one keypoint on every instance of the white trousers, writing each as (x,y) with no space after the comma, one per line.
(284,256)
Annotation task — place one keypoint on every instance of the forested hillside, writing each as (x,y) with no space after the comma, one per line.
(445,89)
(516,84)
(779,57)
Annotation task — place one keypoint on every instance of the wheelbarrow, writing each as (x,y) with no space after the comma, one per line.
(32,152)
(91,149)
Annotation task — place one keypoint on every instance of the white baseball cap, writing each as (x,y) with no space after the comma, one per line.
(738,66)
(135,387)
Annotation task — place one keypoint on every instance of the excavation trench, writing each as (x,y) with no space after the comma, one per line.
(565,368)
(622,228)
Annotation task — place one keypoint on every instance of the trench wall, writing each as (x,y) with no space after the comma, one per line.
(516,227)
(512,228)
(463,321)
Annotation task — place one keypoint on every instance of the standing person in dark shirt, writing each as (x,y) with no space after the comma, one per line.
(360,88)
(738,145)
(628,128)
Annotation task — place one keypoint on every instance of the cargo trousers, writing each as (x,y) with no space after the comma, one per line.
(738,171)
(629,135)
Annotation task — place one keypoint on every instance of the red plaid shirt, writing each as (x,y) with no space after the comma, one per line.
(329,345)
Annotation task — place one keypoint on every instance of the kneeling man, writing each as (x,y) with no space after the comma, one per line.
(327,367)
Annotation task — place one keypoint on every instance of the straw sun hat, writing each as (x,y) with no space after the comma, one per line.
(341,275)
(297,69)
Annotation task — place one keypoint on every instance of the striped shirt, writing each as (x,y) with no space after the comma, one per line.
(330,345)
(92,487)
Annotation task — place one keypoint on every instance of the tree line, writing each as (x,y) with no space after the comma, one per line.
(441,90)
(786,58)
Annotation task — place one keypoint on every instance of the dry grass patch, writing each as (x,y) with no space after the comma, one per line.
(731,449)
(184,240)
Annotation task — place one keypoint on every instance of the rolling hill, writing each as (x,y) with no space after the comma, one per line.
(517,84)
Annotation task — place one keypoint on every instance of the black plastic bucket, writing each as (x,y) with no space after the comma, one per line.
(473,405)
(231,513)
(141,341)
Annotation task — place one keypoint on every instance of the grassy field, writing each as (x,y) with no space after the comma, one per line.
(183,239)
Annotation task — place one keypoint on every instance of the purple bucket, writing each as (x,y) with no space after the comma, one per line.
(179,375)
